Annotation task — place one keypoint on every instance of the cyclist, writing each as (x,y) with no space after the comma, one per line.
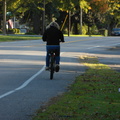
(53,36)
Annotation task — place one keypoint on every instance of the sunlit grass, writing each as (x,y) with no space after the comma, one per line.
(93,96)
(93,63)
(7,38)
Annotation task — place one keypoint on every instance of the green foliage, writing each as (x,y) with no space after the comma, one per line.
(10,31)
(118,25)
(94,30)
(84,29)
(84,5)
(0,31)
(103,32)
(15,30)
(115,9)
(105,11)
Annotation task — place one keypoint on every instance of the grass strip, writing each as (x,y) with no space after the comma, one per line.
(93,96)
(7,38)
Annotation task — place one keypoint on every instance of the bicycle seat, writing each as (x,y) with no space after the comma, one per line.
(52,51)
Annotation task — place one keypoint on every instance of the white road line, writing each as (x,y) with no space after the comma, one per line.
(116,44)
(103,46)
(24,84)
(93,47)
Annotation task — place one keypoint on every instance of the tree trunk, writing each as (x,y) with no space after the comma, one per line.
(0,23)
(36,23)
(76,28)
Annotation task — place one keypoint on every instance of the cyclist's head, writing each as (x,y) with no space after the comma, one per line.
(54,24)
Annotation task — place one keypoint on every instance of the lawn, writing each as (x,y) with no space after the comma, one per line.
(7,38)
(93,96)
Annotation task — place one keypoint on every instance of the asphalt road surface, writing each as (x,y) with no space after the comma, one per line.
(25,85)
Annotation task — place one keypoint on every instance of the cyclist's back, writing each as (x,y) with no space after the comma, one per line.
(53,36)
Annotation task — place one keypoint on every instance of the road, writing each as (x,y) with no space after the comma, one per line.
(25,85)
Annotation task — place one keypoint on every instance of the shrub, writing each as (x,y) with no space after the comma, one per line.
(30,33)
(84,29)
(0,31)
(103,32)
(10,31)
(15,30)
(94,30)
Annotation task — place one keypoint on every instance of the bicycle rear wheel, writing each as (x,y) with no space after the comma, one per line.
(51,67)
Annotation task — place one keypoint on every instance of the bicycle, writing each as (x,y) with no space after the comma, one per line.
(52,63)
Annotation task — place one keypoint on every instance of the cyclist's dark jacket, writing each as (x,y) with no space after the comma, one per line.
(53,36)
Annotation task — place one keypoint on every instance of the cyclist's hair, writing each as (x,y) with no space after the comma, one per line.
(54,24)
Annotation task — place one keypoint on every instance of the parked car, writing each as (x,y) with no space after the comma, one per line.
(116,31)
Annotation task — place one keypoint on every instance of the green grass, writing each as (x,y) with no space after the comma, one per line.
(7,38)
(93,96)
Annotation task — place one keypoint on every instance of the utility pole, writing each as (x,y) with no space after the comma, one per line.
(89,21)
(80,13)
(4,17)
(43,20)
(80,20)
(69,22)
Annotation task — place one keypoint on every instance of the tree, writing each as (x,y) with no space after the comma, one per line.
(31,12)
(99,6)
(1,16)
(104,13)
(113,15)
(19,8)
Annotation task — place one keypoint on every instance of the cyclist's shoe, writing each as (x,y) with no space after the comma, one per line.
(47,68)
(57,67)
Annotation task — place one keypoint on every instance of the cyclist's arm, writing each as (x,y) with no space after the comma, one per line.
(61,37)
(44,36)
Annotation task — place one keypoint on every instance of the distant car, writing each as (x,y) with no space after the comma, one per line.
(116,31)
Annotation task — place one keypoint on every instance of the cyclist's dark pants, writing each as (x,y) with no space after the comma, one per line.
(57,53)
